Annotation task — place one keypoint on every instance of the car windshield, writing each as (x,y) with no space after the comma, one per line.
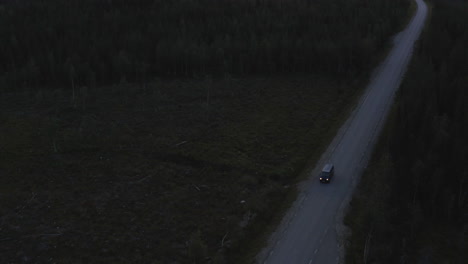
(325,174)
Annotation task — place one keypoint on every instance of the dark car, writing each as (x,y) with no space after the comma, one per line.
(327,173)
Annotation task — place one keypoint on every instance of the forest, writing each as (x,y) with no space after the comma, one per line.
(88,42)
(155,131)
(418,181)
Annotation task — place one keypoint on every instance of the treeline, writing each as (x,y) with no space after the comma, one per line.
(89,42)
(431,143)
(412,206)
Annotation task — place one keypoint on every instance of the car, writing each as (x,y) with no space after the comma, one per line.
(327,173)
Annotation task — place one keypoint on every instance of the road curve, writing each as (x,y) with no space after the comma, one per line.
(309,232)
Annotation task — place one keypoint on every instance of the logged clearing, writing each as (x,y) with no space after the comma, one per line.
(141,172)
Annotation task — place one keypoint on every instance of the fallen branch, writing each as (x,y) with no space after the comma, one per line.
(58,234)
(40,235)
(140,180)
(224,237)
(181,143)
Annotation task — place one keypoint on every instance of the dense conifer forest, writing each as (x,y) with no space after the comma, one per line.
(52,43)
(157,131)
(412,206)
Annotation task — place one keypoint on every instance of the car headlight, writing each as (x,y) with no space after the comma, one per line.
(321,179)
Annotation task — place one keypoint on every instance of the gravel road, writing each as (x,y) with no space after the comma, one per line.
(312,230)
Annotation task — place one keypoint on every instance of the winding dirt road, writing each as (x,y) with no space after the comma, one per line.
(312,229)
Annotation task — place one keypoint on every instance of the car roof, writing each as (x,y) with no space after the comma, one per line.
(328,167)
